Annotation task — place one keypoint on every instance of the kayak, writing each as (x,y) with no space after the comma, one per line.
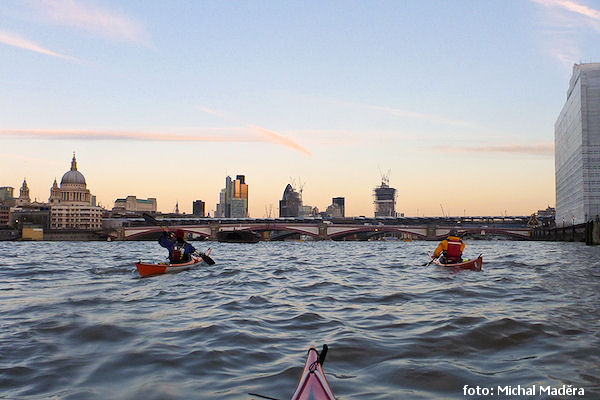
(474,265)
(313,385)
(147,269)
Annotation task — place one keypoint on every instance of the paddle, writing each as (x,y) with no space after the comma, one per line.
(153,221)
(206,258)
(427,264)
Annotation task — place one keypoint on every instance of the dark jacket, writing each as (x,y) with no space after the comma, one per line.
(180,251)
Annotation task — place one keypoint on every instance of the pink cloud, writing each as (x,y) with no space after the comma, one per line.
(571,6)
(544,149)
(93,19)
(210,111)
(15,40)
(275,137)
(264,136)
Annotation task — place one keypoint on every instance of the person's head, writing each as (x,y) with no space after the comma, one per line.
(453,232)
(179,235)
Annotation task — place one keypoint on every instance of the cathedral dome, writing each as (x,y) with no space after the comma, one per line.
(73,176)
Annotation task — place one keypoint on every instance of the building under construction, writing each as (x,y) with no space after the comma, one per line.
(385,198)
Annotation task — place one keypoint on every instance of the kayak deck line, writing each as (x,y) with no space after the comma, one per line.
(313,385)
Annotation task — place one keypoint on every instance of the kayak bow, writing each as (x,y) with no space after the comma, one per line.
(313,385)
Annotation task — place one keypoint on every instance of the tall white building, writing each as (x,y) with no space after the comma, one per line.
(577,148)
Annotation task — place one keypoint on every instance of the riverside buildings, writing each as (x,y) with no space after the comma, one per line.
(577,148)
(70,206)
(133,204)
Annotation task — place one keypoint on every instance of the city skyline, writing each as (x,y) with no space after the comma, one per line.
(331,93)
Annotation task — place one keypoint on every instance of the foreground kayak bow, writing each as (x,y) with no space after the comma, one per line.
(313,385)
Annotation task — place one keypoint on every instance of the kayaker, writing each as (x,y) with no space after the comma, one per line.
(450,249)
(180,251)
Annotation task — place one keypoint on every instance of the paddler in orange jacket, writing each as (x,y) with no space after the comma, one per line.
(450,249)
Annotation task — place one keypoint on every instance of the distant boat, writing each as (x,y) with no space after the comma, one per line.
(238,237)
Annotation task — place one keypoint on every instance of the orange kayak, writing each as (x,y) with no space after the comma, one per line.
(474,265)
(146,269)
(313,385)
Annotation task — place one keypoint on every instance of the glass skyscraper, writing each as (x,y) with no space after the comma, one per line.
(577,148)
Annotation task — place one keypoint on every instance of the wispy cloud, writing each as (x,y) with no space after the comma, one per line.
(85,134)
(572,6)
(542,149)
(265,134)
(209,111)
(275,137)
(243,135)
(15,40)
(564,20)
(421,116)
(93,19)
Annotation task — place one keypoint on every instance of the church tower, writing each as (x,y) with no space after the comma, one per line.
(24,195)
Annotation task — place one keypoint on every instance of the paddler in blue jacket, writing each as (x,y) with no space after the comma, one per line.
(450,249)
(180,251)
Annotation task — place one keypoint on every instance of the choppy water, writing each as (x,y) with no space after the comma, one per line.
(77,323)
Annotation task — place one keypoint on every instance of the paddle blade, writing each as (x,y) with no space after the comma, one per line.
(207,259)
(150,220)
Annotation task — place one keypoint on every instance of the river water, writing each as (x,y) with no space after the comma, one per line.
(76,321)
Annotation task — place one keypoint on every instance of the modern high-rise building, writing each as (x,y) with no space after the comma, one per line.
(385,199)
(6,193)
(577,148)
(337,208)
(233,199)
(290,203)
(198,208)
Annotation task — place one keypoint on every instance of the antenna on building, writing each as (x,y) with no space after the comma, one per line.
(301,186)
(385,178)
(268,211)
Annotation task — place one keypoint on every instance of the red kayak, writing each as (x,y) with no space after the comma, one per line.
(474,265)
(146,269)
(313,385)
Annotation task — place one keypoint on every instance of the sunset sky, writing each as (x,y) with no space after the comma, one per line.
(164,99)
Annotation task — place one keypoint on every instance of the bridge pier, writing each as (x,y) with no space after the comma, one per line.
(431,232)
(214,229)
(323,232)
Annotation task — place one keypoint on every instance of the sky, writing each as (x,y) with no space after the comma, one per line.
(454,101)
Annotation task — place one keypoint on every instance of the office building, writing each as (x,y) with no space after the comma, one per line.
(385,199)
(290,203)
(577,148)
(233,199)
(133,204)
(6,194)
(198,208)
(337,208)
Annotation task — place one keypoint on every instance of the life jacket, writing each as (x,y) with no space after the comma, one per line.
(178,255)
(453,253)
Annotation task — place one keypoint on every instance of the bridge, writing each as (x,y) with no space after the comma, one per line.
(337,229)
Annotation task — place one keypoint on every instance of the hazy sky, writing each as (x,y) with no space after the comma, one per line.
(163,99)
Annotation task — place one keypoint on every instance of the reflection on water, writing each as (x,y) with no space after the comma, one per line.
(78,323)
